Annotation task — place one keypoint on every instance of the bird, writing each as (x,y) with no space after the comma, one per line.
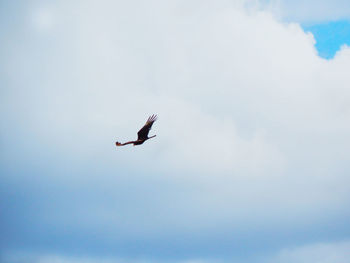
(142,134)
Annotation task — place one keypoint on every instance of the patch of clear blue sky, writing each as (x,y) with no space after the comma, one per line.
(330,36)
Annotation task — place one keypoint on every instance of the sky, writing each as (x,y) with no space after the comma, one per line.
(251,159)
(330,37)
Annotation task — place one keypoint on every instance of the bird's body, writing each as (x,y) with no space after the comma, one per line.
(142,134)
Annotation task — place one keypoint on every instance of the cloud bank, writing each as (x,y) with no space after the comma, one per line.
(252,146)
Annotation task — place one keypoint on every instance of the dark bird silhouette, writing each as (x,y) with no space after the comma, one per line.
(142,135)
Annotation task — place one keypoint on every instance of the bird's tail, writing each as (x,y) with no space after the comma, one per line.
(125,143)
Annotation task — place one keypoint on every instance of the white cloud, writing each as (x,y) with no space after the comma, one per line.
(20,257)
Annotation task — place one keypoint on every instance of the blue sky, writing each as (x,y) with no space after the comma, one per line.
(330,36)
(251,159)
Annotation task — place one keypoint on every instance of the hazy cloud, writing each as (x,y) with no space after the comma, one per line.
(322,252)
(310,11)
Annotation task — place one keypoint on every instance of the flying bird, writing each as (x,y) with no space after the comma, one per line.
(142,134)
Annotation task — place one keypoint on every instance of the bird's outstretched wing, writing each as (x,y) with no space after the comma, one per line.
(143,133)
